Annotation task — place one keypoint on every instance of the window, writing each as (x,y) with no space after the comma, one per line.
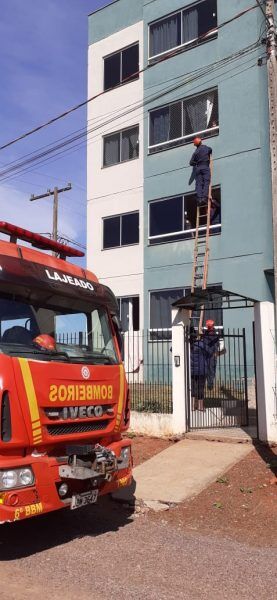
(160,312)
(121,146)
(174,219)
(179,122)
(161,305)
(121,67)
(129,313)
(215,313)
(122,230)
(183,29)
(81,337)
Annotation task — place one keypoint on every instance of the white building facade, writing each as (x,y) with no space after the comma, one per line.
(115,168)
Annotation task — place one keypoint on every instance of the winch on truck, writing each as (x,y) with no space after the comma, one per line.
(64,400)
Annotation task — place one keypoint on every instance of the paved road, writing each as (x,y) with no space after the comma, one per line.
(101,553)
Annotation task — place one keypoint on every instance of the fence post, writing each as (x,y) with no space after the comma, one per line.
(266,371)
(180,320)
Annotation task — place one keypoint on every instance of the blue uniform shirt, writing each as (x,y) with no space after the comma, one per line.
(201,156)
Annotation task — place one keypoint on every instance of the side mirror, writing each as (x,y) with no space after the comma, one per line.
(119,334)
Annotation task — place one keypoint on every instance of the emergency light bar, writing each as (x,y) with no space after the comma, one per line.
(37,240)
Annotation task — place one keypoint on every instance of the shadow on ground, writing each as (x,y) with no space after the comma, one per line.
(265,452)
(268,456)
(28,537)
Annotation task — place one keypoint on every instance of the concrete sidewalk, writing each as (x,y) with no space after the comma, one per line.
(183,470)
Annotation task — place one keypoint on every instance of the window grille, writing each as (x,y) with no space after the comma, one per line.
(121,146)
(183,29)
(179,122)
(174,219)
(121,67)
(121,230)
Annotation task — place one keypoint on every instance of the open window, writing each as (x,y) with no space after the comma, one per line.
(179,122)
(174,219)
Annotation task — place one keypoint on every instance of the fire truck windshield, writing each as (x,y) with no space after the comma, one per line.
(83,337)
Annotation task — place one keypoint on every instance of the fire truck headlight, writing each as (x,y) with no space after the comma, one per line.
(16,478)
(125,453)
(63,489)
(9,479)
(125,456)
(26,477)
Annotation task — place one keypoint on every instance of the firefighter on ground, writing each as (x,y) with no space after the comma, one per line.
(200,160)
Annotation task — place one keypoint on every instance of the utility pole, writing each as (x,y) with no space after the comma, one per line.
(55,193)
(271,42)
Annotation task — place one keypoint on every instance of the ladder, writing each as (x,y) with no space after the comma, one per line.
(202,250)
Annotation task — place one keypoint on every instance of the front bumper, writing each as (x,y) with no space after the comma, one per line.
(50,473)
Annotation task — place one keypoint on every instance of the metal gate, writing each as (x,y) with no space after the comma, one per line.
(217,397)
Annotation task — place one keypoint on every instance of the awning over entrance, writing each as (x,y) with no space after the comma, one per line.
(210,298)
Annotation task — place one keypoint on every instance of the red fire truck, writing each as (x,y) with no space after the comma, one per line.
(64,399)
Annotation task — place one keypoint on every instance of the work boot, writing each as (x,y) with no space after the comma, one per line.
(194,404)
(201,406)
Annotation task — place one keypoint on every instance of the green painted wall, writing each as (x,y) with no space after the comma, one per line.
(112,18)
(243,251)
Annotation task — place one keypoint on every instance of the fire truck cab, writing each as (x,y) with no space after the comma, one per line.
(64,400)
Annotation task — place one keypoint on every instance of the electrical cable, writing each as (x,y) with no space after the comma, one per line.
(68,151)
(137,105)
(264,13)
(63,238)
(85,102)
(200,72)
(19,164)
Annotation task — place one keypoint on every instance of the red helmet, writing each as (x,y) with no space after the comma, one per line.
(210,324)
(197,141)
(45,342)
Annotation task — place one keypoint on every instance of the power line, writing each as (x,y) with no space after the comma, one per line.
(63,238)
(75,148)
(55,193)
(40,158)
(263,11)
(194,75)
(85,102)
(71,151)
(214,159)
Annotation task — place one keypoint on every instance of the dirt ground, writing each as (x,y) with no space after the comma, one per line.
(107,551)
(242,505)
(144,448)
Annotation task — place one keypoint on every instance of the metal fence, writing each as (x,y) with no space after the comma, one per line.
(217,396)
(147,359)
(74,337)
(148,366)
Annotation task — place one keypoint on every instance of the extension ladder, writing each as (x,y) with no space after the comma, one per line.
(202,250)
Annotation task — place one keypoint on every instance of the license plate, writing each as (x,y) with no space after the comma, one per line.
(84,499)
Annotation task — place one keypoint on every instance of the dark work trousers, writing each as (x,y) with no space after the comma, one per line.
(198,386)
(203,180)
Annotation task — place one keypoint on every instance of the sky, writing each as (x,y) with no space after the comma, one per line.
(43,67)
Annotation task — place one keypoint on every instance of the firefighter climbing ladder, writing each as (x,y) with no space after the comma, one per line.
(202,249)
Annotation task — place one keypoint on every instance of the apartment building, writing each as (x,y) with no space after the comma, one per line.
(161,72)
